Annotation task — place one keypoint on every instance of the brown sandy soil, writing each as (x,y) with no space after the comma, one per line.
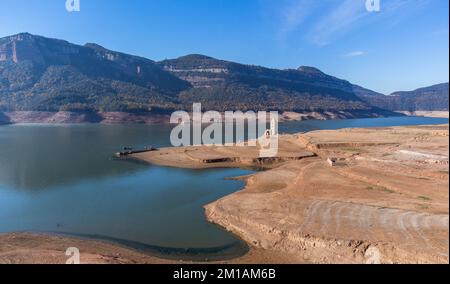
(201,157)
(389,191)
(28,248)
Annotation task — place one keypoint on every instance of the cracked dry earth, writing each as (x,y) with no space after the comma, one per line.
(388,192)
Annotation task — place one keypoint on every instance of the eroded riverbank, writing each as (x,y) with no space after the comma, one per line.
(388,191)
(32,248)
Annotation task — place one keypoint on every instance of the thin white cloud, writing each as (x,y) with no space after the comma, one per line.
(294,13)
(355,53)
(338,21)
(322,22)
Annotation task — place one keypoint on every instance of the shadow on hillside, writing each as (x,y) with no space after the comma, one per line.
(4,119)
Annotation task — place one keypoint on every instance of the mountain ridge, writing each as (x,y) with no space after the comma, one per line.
(52,75)
(430,98)
(217,82)
(42,74)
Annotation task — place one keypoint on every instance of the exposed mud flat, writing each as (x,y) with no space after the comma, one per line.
(378,198)
(202,157)
(439,114)
(14,117)
(28,248)
(328,115)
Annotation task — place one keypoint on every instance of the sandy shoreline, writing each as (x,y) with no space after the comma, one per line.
(67,117)
(34,248)
(388,192)
(436,114)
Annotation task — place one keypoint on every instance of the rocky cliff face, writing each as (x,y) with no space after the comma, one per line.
(220,85)
(21,46)
(202,71)
(42,74)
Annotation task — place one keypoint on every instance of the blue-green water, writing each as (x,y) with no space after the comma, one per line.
(63,179)
(310,125)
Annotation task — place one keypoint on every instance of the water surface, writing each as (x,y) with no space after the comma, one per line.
(62,178)
(311,125)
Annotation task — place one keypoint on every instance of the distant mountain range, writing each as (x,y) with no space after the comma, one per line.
(49,75)
(433,98)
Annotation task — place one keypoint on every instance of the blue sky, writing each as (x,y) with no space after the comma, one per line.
(402,47)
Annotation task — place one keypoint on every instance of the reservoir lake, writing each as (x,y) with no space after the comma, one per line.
(63,179)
